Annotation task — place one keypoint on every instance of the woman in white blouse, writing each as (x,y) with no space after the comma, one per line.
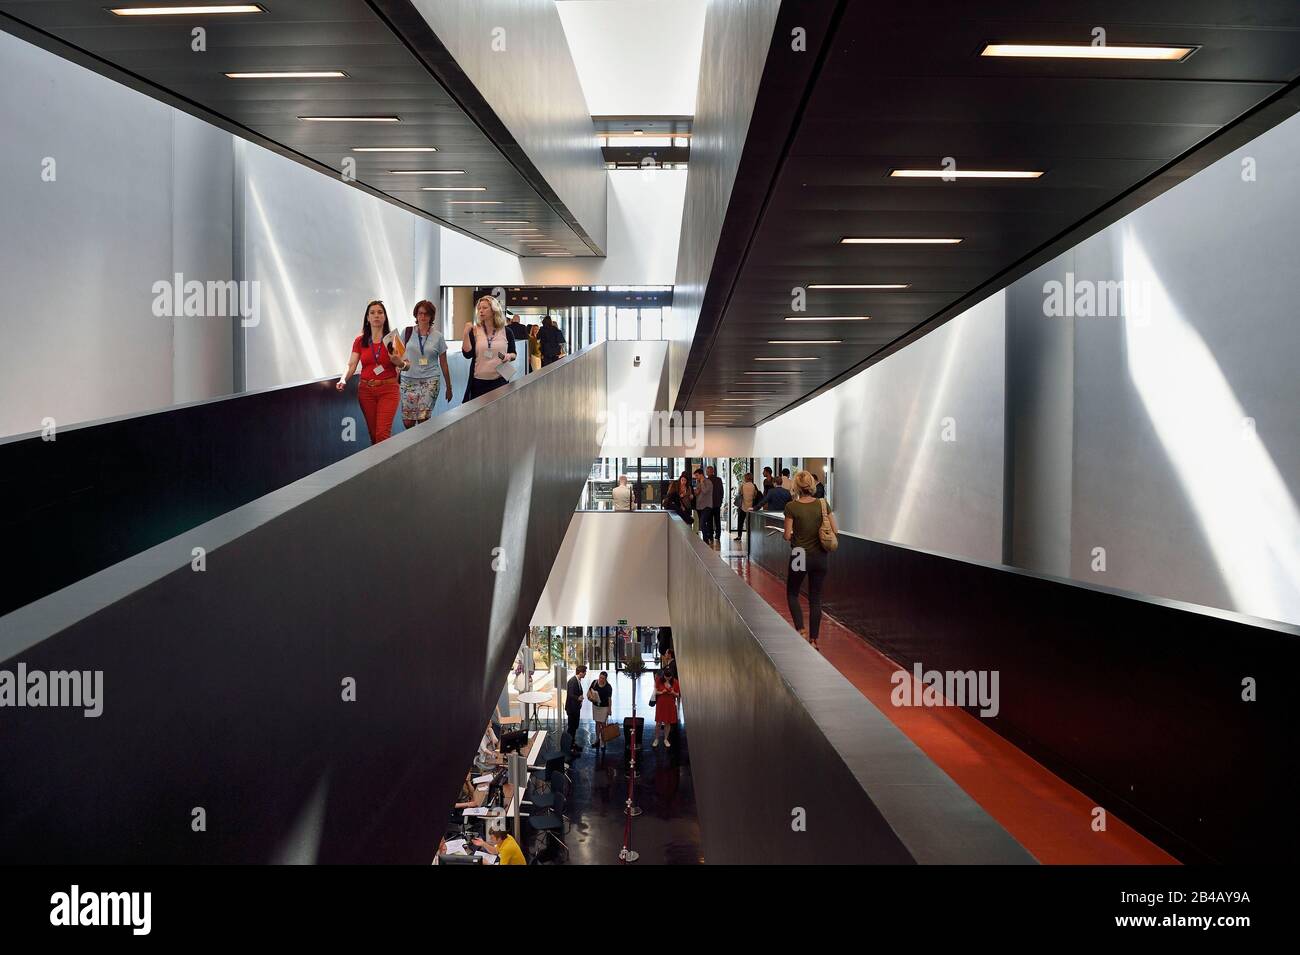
(488,345)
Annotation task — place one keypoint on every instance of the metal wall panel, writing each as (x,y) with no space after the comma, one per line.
(411,568)
(513,74)
(775,729)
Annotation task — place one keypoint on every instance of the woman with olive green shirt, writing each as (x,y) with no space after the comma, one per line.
(803,520)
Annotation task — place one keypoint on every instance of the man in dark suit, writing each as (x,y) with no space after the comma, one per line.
(573,705)
(518,332)
(552,341)
(718,502)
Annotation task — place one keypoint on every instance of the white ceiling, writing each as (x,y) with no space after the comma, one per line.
(636,57)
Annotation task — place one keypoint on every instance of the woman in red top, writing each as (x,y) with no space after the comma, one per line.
(377,392)
(666,693)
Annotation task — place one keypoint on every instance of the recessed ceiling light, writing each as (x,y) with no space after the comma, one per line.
(810,341)
(474,202)
(349,119)
(878,287)
(795,358)
(289,75)
(394,149)
(505,222)
(517,231)
(193,9)
(1085,51)
(828,318)
(426,172)
(965,173)
(453,188)
(638,132)
(885,241)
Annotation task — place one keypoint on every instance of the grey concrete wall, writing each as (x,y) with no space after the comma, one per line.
(223,690)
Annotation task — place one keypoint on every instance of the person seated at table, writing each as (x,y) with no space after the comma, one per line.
(466,800)
(502,845)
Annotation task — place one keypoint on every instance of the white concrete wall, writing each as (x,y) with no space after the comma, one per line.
(645,218)
(612,566)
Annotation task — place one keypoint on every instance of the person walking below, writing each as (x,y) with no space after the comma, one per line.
(680,498)
(552,342)
(747,496)
(521,334)
(600,693)
(808,558)
(488,346)
(573,705)
(719,501)
(377,390)
(534,348)
(704,505)
(622,494)
(667,689)
(425,351)
(776,498)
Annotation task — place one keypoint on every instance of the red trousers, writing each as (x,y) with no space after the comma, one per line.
(378,399)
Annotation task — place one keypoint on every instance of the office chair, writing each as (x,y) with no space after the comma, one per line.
(539,799)
(554,768)
(548,822)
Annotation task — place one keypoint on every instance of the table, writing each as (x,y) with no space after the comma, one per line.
(533,698)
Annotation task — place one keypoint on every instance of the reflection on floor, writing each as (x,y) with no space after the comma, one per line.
(1047,816)
(668,829)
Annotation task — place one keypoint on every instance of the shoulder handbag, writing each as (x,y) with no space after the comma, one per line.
(593,694)
(825,533)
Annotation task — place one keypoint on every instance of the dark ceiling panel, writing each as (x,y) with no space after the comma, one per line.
(906,89)
(385,77)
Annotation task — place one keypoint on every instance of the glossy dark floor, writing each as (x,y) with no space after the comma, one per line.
(668,830)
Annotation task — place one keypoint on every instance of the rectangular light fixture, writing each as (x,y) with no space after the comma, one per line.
(965,173)
(394,149)
(828,318)
(349,119)
(876,287)
(797,358)
(474,202)
(505,222)
(852,240)
(426,172)
(453,188)
(189,10)
(289,75)
(810,341)
(1086,51)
